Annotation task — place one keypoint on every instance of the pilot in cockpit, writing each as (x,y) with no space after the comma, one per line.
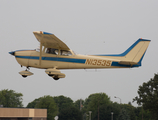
(52,51)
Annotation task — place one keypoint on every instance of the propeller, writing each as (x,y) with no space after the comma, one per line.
(12,52)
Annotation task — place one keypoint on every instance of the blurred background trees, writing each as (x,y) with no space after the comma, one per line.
(10,98)
(148,96)
(97,106)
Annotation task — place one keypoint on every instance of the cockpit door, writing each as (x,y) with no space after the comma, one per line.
(50,57)
(65,59)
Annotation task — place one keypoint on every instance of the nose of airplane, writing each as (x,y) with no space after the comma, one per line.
(12,52)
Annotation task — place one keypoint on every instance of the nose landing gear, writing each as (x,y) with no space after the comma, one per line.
(25,73)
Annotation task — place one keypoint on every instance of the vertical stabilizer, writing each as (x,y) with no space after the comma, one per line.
(134,54)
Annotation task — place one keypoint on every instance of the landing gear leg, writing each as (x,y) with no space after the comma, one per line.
(27,69)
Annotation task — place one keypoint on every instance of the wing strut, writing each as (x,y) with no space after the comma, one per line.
(40,54)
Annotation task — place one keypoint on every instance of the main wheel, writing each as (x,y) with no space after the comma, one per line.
(56,78)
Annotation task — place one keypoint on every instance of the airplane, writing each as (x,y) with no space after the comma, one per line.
(55,55)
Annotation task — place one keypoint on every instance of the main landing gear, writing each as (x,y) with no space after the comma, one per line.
(54,73)
(55,77)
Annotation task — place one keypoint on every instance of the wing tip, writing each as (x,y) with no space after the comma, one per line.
(42,32)
(141,39)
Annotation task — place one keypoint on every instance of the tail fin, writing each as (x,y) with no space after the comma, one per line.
(134,54)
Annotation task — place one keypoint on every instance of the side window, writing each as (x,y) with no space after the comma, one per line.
(65,53)
(52,51)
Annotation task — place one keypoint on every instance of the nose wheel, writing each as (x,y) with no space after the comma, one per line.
(24,76)
(25,73)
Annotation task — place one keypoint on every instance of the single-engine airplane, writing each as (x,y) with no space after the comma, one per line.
(54,55)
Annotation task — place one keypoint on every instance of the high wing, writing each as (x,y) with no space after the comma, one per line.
(49,40)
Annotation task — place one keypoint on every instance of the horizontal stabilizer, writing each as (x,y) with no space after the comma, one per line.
(128,63)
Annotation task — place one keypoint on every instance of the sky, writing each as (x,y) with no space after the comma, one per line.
(87,27)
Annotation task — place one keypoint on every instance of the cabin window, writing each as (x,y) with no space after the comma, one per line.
(65,53)
(52,51)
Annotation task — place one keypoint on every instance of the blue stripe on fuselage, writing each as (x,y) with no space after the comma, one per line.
(72,60)
(54,59)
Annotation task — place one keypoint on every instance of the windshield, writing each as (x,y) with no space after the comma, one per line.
(38,49)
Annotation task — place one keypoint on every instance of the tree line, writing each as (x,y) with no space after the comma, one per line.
(97,106)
